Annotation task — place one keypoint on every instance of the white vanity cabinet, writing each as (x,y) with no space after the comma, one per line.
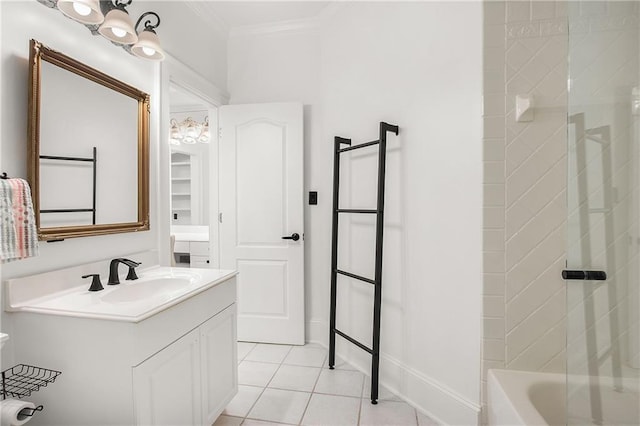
(190,381)
(175,367)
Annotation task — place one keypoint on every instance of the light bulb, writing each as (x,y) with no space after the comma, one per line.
(118,32)
(81,9)
(148,51)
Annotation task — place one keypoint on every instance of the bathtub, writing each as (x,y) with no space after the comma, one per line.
(531,398)
(525,398)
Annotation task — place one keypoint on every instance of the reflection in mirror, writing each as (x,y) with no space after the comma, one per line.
(190,138)
(70,134)
(89,139)
(190,177)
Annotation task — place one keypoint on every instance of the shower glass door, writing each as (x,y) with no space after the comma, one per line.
(603,192)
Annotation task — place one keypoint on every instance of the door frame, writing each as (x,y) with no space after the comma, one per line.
(173,72)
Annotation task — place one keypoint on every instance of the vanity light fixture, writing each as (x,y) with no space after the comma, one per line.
(148,44)
(189,131)
(204,134)
(110,19)
(83,11)
(117,25)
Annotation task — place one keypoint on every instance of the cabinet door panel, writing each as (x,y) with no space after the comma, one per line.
(167,385)
(219,363)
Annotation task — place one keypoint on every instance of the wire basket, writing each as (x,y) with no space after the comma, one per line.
(19,381)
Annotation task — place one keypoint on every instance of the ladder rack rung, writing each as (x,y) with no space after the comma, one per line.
(362,145)
(354,341)
(357,277)
(368,211)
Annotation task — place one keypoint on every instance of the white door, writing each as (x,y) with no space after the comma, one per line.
(261,201)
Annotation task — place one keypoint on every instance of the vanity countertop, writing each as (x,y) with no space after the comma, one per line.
(157,289)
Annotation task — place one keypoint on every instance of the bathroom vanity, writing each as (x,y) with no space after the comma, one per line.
(160,350)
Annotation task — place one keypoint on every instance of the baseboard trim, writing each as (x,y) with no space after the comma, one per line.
(317,331)
(425,394)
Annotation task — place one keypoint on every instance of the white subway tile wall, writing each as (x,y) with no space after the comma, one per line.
(525,179)
(526,47)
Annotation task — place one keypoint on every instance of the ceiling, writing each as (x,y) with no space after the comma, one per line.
(246,13)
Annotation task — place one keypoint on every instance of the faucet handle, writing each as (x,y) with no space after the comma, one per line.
(131,275)
(96,284)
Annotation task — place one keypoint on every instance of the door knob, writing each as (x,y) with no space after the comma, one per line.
(295,237)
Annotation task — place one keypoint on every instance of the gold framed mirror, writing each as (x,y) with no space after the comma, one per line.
(88,149)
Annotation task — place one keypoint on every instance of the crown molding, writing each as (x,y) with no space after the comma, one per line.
(333,8)
(290,26)
(209,17)
(182,109)
(192,81)
(281,27)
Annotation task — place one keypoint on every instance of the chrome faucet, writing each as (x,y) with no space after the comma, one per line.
(113,270)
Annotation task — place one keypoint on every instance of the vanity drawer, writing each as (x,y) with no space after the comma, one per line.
(199,248)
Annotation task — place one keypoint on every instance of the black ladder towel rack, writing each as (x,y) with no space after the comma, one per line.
(377,280)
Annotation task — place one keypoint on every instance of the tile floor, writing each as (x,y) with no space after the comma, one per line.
(293,385)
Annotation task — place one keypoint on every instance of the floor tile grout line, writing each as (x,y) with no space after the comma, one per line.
(264,387)
(312,391)
(361,402)
(252,405)
(247,354)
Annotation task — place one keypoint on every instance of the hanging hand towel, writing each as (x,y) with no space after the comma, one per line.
(18,235)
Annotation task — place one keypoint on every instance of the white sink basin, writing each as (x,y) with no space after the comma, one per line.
(157,289)
(164,288)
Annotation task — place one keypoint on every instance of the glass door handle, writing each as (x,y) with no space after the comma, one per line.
(570,274)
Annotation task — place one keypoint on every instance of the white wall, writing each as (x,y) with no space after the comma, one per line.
(23,20)
(190,38)
(404,63)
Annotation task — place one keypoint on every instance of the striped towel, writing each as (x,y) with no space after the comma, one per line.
(18,234)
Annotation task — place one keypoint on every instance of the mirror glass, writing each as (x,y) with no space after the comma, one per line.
(192,173)
(190,142)
(88,164)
